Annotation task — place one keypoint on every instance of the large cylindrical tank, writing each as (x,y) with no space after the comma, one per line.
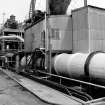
(80,65)
(97,66)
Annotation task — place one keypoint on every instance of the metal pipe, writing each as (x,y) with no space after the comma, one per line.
(75,80)
(46,34)
(95,100)
(46,40)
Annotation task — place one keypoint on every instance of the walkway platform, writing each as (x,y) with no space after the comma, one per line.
(45,93)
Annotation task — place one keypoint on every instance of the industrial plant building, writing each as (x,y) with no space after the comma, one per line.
(82,31)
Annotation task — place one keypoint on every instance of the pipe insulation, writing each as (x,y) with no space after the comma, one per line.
(25,60)
(97,66)
(80,65)
(70,65)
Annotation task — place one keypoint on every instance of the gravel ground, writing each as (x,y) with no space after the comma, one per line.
(13,94)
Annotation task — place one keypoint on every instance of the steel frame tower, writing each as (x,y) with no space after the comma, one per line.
(85,3)
(32,8)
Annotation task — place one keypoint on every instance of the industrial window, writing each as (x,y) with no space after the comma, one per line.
(55,34)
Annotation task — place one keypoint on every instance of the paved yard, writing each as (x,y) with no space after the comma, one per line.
(13,94)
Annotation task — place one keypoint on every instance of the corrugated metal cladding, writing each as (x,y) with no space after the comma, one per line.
(96,18)
(88,29)
(83,32)
(33,36)
(80,30)
(60,30)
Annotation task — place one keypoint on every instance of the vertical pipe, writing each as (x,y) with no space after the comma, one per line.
(47,7)
(46,34)
(72,32)
(46,39)
(3,48)
(50,51)
(3,44)
(17,63)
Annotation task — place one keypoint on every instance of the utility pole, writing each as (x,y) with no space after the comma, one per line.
(48,40)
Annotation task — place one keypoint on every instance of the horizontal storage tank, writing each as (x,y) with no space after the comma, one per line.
(97,66)
(70,65)
(81,65)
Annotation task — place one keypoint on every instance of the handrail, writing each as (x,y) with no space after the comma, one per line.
(79,81)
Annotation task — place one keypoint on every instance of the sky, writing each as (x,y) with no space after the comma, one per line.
(20,8)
